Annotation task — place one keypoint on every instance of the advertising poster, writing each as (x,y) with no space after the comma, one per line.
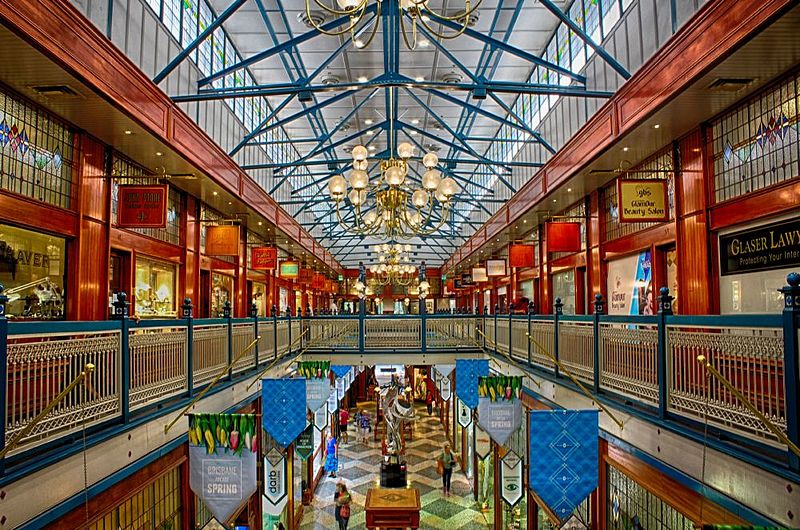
(511,490)
(275,485)
(499,406)
(630,288)
(222,461)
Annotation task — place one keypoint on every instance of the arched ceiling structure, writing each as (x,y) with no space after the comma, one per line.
(326,95)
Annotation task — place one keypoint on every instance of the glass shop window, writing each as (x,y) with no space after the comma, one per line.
(32,269)
(564,288)
(221,292)
(154,294)
(259,297)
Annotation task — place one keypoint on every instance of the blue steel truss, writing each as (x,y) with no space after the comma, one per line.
(476,171)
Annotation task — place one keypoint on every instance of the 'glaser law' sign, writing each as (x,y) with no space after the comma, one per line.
(642,200)
(773,246)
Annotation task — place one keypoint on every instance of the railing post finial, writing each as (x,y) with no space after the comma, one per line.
(665,301)
(273,312)
(559,305)
(791,293)
(598,304)
(791,361)
(3,301)
(187,308)
(531,308)
(120,306)
(226,309)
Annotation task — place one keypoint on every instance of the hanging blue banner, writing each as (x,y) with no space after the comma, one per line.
(284,408)
(563,457)
(467,373)
(340,369)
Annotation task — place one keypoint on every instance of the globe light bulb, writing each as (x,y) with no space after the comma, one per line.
(337,186)
(347,5)
(431,179)
(405,150)
(448,187)
(430,160)
(441,197)
(395,176)
(360,153)
(376,249)
(424,285)
(386,247)
(382,259)
(415,220)
(359,179)
(360,165)
(357,197)
(419,198)
(407,248)
(370,218)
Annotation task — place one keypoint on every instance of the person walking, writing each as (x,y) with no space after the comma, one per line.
(332,458)
(344,417)
(429,402)
(447,461)
(342,500)
(363,426)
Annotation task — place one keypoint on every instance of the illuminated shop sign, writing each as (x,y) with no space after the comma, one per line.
(642,200)
(142,206)
(773,246)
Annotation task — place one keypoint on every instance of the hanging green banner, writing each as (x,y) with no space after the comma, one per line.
(222,461)
(304,445)
(313,369)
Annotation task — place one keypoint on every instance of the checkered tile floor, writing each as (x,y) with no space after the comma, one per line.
(358,468)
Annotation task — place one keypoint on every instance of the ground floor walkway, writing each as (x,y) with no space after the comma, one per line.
(359,466)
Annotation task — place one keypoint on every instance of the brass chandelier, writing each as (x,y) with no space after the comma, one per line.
(417,10)
(382,207)
(393,265)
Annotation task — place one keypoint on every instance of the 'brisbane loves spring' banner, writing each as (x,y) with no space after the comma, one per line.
(467,373)
(318,386)
(499,406)
(284,408)
(222,460)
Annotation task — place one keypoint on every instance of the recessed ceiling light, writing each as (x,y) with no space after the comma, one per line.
(286,242)
(415,122)
(370,133)
(625,149)
(372,148)
(362,79)
(498,239)
(128,132)
(214,193)
(159,153)
(524,221)
(229,203)
(260,223)
(656,126)
(569,189)
(419,79)
(413,133)
(555,200)
(368,121)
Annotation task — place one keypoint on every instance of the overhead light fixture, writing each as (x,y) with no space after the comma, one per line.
(260,223)
(372,148)
(554,200)
(569,190)
(362,79)
(214,193)
(413,133)
(128,132)
(625,149)
(656,126)
(368,121)
(424,43)
(415,122)
(419,79)
(159,153)
(360,17)
(383,206)
(392,266)
(370,133)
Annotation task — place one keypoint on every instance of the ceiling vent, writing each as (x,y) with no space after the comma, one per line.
(317,17)
(473,17)
(729,84)
(452,77)
(329,78)
(56,91)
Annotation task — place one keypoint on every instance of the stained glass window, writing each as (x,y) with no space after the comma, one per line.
(35,153)
(190,32)
(756,144)
(592,18)
(611,14)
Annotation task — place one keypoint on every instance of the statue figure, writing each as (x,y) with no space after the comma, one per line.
(395,413)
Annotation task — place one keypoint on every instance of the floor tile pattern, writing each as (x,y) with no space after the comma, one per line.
(358,468)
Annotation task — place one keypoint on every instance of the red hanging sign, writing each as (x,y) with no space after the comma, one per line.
(263,258)
(521,255)
(563,237)
(318,282)
(222,240)
(141,206)
(306,276)
(451,285)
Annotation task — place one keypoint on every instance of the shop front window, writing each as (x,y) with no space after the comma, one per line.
(259,298)
(32,267)
(564,288)
(221,292)
(155,288)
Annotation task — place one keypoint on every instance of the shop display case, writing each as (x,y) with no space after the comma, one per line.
(221,292)
(154,294)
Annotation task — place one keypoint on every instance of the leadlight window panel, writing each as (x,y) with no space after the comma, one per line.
(592,18)
(136,174)
(35,153)
(575,213)
(757,144)
(658,166)
(190,24)
(218,55)
(204,50)
(629,502)
(172,17)
(157,505)
(609,9)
